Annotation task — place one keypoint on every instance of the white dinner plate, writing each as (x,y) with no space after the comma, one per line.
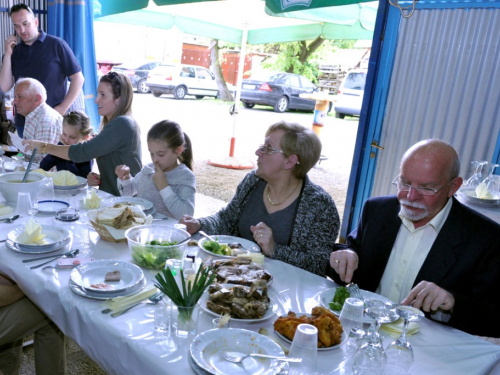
(64,246)
(343,336)
(222,239)
(148,205)
(100,296)
(82,182)
(271,310)
(326,296)
(94,272)
(51,206)
(469,194)
(54,238)
(205,349)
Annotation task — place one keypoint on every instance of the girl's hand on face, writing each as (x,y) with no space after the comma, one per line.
(93,179)
(123,172)
(160,178)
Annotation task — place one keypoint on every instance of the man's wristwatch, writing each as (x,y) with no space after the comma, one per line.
(44,148)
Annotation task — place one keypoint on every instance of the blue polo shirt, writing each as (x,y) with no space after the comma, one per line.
(49,60)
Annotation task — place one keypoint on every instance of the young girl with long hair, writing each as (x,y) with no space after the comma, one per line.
(168,181)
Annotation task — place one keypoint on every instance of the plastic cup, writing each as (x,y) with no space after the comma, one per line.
(305,346)
(351,315)
(23,203)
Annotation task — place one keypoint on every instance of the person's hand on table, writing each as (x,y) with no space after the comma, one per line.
(160,178)
(122,172)
(93,179)
(344,262)
(263,235)
(192,225)
(31,144)
(429,297)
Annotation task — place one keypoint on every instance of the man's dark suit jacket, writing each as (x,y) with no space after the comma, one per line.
(464,260)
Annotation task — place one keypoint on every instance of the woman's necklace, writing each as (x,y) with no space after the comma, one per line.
(283,201)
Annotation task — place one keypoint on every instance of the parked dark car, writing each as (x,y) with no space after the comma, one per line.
(278,90)
(137,72)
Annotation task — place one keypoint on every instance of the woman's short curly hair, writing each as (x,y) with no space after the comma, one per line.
(299,141)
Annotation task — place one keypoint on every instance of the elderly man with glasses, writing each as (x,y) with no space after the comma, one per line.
(424,248)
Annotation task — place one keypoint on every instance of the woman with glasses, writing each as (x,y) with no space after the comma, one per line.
(277,206)
(118,141)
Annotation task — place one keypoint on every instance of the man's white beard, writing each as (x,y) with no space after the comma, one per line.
(412,215)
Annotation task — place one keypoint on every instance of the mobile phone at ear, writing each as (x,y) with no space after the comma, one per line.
(18,37)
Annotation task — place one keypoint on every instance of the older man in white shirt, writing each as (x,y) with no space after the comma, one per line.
(43,123)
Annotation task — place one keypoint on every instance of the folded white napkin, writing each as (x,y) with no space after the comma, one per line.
(5,209)
(394,329)
(32,234)
(121,303)
(482,191)
(18,142)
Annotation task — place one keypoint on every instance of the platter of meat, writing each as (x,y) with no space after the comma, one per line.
(330,332)
(243,303)
(241,271)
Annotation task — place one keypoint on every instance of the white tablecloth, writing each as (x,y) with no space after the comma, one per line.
(127,344)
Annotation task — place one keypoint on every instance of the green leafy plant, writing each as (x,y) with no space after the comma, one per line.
(190,294)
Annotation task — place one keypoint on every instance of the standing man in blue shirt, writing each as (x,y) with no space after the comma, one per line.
(44,57)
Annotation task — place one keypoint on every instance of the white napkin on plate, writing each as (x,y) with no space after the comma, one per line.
(121,303)
(482,191)
(394,329)
(32,234)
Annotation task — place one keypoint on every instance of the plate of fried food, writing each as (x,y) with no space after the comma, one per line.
(243,303)
(330,332)
(241,271)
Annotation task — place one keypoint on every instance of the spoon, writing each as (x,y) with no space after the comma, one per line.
(69,254)
(57,257)
(29,164)
(237,357)
(11,219)
(206,235)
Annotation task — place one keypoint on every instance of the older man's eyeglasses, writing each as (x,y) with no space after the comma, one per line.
(420,190)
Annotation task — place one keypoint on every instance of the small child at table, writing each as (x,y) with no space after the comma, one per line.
(76,128)
(168,181)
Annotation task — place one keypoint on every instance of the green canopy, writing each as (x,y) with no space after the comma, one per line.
(225,20)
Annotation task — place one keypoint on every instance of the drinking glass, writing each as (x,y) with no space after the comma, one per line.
(492,181)
(399,352)
(477,177)
(370,358)
(33,208)
(23,203)
(351,319)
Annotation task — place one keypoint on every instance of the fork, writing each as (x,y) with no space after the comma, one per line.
(237,357)
(355,292)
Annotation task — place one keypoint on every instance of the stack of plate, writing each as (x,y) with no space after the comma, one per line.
(204,352)
(144,204)
(55,239)
(85,279)
(469,194)
(72,189)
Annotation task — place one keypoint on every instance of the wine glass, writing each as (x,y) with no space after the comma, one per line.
(492,181)
(370,358)
(477,177)
(399,352)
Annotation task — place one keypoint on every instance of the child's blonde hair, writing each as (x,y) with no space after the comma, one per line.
(78,118)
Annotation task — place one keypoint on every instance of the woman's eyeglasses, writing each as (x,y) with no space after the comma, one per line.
(266,149)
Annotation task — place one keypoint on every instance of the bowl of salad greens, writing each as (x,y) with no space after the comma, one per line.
(153,245)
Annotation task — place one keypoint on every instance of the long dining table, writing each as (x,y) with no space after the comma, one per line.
(127,344)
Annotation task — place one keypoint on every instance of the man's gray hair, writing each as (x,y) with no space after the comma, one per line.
(34,87)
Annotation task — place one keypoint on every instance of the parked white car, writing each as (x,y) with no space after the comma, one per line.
(350,95)
(182,80)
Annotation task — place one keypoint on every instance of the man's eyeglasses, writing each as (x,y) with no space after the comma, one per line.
(421,190)
(266,149)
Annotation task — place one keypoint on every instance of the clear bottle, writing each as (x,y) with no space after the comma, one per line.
(188,271)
